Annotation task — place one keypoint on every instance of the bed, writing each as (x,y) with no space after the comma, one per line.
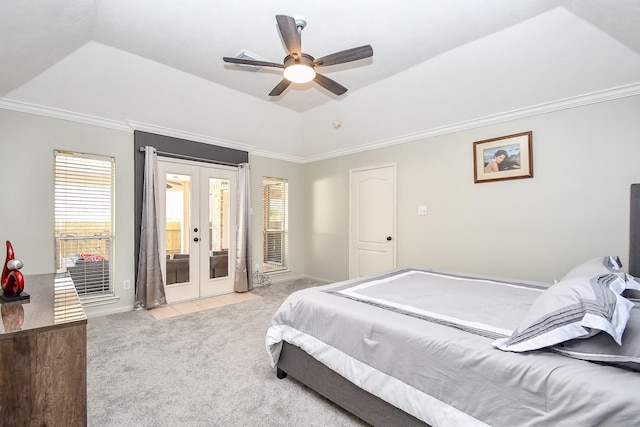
(416,347)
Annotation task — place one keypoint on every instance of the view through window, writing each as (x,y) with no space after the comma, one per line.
(275,224)
(84,220)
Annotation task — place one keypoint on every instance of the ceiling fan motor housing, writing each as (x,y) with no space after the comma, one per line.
(304,60)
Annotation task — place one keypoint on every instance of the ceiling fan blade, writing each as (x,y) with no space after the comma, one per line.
(251,62)
(290,35)
(280,87)
(345,56)
(330,85)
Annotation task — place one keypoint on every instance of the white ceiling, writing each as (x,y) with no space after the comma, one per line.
(158,65)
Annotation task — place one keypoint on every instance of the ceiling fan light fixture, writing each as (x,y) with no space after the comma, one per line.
(299,73)
(299,70)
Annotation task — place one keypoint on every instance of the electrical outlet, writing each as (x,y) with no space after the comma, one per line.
(126,285)
(257,268)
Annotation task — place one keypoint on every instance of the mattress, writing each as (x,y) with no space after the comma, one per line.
(422,341)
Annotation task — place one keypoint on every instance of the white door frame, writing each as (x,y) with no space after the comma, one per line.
(199,284)
(352,219)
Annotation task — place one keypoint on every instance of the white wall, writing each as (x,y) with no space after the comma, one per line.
(127,89)
(516,68)
(575,208)
(26,193)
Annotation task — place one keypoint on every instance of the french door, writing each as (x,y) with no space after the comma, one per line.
(197,220)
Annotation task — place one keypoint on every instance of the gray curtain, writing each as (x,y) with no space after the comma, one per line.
(243,280)
(149,286)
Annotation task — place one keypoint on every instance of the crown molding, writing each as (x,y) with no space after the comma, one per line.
(126,126)
(278,156)
(545,108)
(57,113)
(130,125)
(145,127)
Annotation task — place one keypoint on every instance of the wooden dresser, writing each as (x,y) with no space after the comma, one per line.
(43,356)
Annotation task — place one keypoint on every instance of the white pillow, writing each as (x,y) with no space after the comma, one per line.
(607,265)
(570,309)
(595,267)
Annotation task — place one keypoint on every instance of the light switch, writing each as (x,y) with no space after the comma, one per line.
(422,210)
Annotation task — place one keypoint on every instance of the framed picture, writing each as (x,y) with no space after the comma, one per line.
(506,157)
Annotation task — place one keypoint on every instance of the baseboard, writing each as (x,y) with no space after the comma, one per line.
(285,278)
(95,312)
(319,279)
(280,278)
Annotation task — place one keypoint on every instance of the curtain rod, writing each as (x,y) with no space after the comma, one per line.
(186,157)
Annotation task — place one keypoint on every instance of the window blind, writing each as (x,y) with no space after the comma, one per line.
(84,187)
(275,224)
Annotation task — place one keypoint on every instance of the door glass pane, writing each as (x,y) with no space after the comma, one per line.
(218,227)
(178,193)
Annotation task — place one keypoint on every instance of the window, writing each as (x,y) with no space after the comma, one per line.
(83,198)
(276,224)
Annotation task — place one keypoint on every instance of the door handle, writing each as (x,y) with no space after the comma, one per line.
(195,239)
(389,238)
(195,230)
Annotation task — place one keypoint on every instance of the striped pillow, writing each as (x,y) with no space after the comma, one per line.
(574,308)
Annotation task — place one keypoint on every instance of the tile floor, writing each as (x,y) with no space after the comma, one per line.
(178,309)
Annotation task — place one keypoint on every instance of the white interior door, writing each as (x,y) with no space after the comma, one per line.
(197,223)
(372,220)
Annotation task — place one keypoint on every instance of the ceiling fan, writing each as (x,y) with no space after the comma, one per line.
(300,67)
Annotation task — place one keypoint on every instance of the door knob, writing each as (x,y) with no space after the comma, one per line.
(195,230)
(389,238)
(195,239)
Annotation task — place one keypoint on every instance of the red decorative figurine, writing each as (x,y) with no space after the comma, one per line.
(12,279)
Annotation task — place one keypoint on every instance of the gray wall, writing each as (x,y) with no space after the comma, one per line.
(26,194)
(294,173)
(575,208)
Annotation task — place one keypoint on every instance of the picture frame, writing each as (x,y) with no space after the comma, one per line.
(503,158)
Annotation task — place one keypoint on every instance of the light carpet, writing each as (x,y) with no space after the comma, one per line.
(208,368)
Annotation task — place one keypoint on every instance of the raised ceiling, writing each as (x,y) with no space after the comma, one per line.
(159,64)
